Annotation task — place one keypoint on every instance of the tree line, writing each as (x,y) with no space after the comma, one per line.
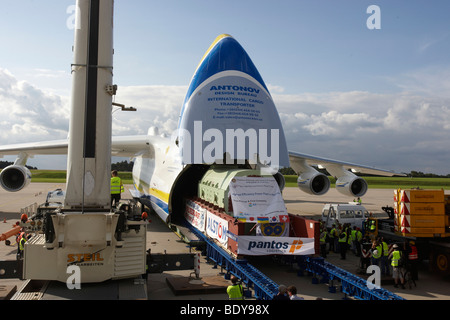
(413,174)
(125,166)
(4,164)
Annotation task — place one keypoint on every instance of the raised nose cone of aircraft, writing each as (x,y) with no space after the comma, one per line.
(225,53)
(228,100)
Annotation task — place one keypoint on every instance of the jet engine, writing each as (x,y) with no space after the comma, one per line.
(14,178)
(313,182)
(351,185)
(280,180)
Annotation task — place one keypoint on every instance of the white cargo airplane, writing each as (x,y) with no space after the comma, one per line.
(227,102)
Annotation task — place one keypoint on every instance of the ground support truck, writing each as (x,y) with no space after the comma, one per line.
(421,216)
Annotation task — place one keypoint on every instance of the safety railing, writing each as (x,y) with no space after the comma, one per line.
(265,289)
(351,284)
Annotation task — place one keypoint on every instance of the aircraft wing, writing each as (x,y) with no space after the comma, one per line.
(123,146)
(56,147)
(130,146)
(298,160)
(16,177)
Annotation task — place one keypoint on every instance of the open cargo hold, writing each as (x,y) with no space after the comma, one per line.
(244,212)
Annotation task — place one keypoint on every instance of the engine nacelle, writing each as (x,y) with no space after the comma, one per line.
(314,183)
(14,178)
(351,185)
(280,180)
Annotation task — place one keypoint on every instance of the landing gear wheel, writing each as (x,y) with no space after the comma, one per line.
(442,262)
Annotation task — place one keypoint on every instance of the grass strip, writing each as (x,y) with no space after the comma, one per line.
(59,176)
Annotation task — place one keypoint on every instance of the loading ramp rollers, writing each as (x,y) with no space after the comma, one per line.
(265,289)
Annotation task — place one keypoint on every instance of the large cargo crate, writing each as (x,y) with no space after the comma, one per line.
(422,208)
(418,195)
(423,232)
(421,213)
(423,221)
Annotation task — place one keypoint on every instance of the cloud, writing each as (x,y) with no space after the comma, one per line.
(397,131)
(157,106)
(429,43)
(27,112)
(433,81)
(402,131)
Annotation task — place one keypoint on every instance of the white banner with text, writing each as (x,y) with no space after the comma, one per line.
(256,246)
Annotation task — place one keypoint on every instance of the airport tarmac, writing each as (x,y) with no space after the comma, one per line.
(160,239)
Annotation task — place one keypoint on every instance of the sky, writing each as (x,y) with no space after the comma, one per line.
(352,84)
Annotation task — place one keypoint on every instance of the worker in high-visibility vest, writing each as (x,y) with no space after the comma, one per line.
(397,274)
(413,258)
(358,242)
(343,243)
(377,252)
(333,236)
(116,188)
(384,261)
(372,226)
(348,230)
(235,291)
(22,241)
(353,236)
(323,242)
